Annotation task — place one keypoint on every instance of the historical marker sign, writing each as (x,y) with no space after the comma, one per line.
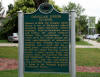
(46,40)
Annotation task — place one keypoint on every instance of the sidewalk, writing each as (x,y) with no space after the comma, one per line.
(8,44)
(86,46)
(94,43)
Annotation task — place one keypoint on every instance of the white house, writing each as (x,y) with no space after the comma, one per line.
(91,25)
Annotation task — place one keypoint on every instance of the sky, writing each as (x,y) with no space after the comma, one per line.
(91,6)
(5,3)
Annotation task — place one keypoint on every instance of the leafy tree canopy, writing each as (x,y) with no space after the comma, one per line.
(38,2)
(11,25)
(72,6)
(81,20)
(27,6)
(1,10)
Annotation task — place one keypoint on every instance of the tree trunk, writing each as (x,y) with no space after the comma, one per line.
(38,2)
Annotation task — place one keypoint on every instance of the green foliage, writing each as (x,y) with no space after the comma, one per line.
(78,38)
(69,7)
(27,6)
(81,24)
(55,6)
(98,27)
(81,20)
(10,7)
(38,2)
(98,40)
(11,25)
(73,6)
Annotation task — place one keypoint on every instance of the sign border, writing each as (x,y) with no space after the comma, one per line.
(21,46)
(68,46)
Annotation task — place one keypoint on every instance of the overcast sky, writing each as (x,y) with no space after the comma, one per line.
(6,3)
(91,6)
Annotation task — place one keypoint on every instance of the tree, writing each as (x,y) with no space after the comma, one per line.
(80,20)
(0,6)
(72,6)
(83,24)
(55,6)
(27,6)
(10,7)
(1,10)
(38,2)
(98,27)
(11,25)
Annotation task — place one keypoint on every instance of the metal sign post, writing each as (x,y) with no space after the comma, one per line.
(21,49)
(73,55)
(44,41)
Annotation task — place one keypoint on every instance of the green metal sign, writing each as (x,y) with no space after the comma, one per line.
(46,40)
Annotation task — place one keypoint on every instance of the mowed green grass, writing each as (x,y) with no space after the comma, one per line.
(14,73)
(84,56)
(9,52)
(88,57)
(4,41)
(83,43)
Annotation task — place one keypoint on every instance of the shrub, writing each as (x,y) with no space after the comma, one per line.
(98,40)
(78,38)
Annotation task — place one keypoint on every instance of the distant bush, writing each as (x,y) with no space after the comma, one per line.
(78,38)
(98,40)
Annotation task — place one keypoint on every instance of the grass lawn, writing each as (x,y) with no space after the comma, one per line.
(88,57)
(82,43)
(85,57)
(4,41)
(14,73)
(9,52)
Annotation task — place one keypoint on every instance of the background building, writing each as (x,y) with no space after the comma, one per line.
(91,25)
